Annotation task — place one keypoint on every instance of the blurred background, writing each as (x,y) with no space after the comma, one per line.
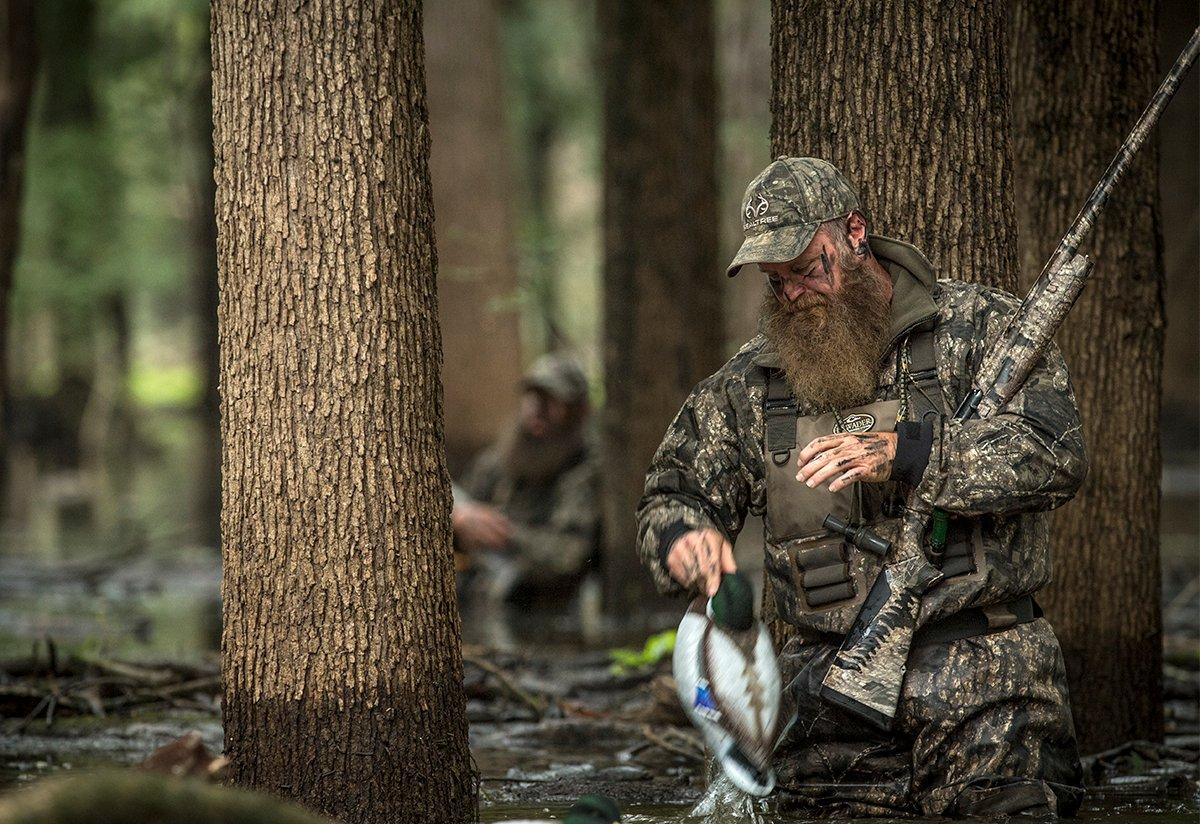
(109,537)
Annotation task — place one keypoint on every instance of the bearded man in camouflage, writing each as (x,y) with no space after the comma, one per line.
(842,404)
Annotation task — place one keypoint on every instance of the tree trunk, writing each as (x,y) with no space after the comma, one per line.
(1082,75)
(1179,185)
(342,667)
(663,285)
(909,99)
(17,68)
(472,185)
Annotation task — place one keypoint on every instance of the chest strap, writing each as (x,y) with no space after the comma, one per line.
(779,417)
(925,390)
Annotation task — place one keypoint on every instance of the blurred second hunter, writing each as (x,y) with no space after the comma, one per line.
(526,515)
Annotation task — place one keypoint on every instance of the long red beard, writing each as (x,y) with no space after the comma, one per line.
(830,345)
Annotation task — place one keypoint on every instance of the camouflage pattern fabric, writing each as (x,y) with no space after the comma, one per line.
(984,727)
(997,476)
(556,521)
(785,204)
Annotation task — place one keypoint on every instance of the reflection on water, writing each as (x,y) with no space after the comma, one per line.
(115,554)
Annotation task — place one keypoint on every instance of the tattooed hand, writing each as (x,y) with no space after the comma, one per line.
(844,459)
(699,558)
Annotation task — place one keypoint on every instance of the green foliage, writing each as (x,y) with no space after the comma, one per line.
(656,648)
(155,387)
(116,130)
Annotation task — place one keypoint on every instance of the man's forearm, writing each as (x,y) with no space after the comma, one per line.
(1000,466)
(660,524)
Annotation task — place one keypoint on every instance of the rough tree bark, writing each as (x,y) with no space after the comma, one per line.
(663,286)
(472,186)
(1081,75)
(909,98)
(342,667)
(17,71)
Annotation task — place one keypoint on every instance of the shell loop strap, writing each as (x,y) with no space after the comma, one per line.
(779,417)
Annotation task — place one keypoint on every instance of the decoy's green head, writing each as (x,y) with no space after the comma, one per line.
(593,809)
(733,605)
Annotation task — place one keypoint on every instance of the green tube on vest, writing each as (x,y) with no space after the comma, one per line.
(938,532)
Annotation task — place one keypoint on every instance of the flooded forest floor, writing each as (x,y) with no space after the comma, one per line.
(104,660)
(549,722)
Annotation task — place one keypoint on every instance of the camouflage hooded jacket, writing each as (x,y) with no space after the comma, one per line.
(998,475)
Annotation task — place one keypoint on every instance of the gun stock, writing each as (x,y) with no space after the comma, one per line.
(867,673)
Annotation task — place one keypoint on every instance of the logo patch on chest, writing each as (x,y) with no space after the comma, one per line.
(858,422)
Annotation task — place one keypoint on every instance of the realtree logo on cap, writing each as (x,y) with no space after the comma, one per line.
(756,213)
(757,208)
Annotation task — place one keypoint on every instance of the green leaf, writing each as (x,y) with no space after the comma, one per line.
(656,648)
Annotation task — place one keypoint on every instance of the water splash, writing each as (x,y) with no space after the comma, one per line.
(725,802)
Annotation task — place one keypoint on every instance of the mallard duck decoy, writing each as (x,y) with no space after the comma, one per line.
(728,681)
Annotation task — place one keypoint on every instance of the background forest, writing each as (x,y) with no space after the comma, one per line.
(109,537)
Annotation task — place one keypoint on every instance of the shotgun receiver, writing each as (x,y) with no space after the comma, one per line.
(868,672)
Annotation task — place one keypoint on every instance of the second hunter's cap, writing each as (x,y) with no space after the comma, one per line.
(558,375)
(785,204)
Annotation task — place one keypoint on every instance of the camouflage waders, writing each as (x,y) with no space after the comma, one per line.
(984,728)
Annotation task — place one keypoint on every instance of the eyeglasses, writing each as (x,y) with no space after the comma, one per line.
(776,282)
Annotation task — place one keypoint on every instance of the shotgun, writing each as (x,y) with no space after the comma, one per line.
(868,672)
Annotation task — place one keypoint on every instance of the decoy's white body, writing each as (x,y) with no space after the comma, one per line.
(729,685)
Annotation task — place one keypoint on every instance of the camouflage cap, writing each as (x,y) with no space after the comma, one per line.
(559,376)
(785,204)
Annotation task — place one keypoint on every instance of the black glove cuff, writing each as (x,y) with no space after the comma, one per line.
(669,536)
(914,442)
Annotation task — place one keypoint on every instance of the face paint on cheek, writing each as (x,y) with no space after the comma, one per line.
(827,267)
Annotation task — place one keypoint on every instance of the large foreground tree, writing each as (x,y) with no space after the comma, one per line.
(909,98)
(342,668)
(1082,73)
(663,318)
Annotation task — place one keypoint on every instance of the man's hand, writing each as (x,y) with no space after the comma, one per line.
(478,526)
(844,459)
(699,558)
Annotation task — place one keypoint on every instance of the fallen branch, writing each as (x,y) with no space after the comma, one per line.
(688,747)
(130,671)
(508,685)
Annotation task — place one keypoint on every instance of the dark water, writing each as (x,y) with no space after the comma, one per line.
(1132,810)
